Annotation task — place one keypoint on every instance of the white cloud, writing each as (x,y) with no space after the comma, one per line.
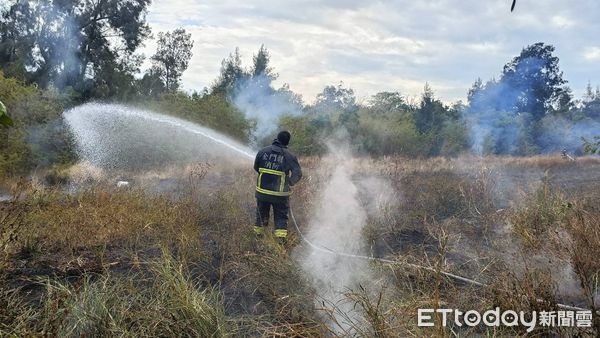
(562,22)
(380,45)
(592,54)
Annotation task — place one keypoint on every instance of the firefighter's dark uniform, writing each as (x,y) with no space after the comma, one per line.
(277,169)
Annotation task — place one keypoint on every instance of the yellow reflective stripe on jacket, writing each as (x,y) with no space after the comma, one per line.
(275,172)
(274,193)
(271,171)
(282,178)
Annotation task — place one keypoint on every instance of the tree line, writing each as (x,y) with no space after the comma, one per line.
(55,54)
(529,109)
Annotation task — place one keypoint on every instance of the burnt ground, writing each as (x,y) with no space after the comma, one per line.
(480,235)
(573,180)
(427,199)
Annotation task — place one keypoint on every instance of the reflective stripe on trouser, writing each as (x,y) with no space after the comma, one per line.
(259,230)
(281,233)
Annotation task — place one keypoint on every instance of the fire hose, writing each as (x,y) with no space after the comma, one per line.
(412,265)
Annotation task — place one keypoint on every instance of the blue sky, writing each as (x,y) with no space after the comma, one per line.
(377,46)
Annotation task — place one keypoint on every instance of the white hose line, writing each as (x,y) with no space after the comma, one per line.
(416,266)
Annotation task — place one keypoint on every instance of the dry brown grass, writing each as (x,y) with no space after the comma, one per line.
(129,262)
(176,261)
(541,214)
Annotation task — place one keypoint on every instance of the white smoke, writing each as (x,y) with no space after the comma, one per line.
(260,102)
(340,214)
(558,133)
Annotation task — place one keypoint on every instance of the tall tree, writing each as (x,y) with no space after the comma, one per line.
(475,93)
(336,99)
(69,42)
(172,56)
(384,103)
(290,97)
(261,65)
(16,38)
(151,84)
(231,73)
(535,80)
(591,102)
(431,112)
(262,74)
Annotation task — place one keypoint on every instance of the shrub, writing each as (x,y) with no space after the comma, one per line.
(38,138)
(542,213)
(213,111)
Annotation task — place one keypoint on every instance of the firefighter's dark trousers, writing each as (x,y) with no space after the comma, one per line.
(280,213)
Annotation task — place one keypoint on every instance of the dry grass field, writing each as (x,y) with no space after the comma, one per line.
(174,254)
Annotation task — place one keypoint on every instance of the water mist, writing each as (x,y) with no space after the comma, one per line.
(111,136)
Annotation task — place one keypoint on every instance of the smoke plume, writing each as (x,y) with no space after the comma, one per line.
(526,112)
(507,133)
(559,133)
(342,210)
(260,102)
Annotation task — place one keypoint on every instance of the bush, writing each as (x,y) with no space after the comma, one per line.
(213,111)
(386,136)
(307,134)
(543,212)
(38,138)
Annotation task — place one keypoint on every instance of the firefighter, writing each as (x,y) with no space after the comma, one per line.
(277,169)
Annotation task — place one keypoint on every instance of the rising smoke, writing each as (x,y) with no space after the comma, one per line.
(343,207)
(559,133)
(256,98)
(57,48)
(508,133)
(521,114)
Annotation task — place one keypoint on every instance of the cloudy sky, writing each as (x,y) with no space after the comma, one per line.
(377,46)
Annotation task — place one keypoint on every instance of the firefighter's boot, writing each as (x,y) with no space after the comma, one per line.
(281,236)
